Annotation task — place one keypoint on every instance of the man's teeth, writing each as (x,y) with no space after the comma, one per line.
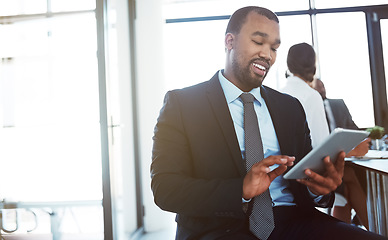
(259,66)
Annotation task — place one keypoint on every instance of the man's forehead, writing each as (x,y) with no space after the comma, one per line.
(259,25)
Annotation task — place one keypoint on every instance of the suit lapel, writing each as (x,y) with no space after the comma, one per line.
(220,108)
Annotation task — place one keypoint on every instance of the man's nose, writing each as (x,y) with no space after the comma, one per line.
(265,52)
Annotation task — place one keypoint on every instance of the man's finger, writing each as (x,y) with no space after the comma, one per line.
(331,169)
(277,172)
(278,159)
(340,162)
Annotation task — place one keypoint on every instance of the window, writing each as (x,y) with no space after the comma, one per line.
(17,7)
(72,5)
(348,3)
(201,8)
(194,48)
(293,30)
(49,114)
(50,104)
(344,63)
(194,51)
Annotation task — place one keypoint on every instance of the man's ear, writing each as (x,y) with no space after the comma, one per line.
(229,41)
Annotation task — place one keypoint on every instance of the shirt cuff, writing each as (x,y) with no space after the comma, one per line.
(316,198)
(246,201)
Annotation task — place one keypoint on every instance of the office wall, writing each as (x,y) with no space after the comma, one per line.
(150,90)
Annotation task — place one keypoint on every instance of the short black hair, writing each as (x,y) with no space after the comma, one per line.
(238,18)
(301,60)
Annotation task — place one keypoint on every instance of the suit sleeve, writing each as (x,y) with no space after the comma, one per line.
(175,184)
(349,120)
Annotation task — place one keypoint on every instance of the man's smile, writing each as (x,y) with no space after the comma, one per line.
(260,68)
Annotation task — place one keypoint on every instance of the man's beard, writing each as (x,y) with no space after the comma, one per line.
(244,74)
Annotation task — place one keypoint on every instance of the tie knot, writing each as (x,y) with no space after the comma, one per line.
(247,98)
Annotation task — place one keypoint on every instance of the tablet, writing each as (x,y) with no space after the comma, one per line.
(339,140)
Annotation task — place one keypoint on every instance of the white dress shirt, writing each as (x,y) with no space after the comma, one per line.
(313,106)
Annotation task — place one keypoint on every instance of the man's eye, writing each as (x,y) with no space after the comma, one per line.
(258,43)
(274,49)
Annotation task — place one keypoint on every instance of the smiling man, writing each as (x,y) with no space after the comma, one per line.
(221,148)
(251,51)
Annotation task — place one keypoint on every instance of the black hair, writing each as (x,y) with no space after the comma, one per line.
(301,60)
(238,18)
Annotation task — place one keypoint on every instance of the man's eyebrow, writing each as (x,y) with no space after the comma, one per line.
(261,34)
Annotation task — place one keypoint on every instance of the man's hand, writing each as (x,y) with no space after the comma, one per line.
(260,176)
(330,180)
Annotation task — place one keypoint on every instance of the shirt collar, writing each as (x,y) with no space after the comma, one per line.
(232,92)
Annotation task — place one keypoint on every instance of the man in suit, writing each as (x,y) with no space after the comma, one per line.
(337,112)
(198,165)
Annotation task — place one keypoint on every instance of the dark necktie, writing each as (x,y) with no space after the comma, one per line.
(261,221)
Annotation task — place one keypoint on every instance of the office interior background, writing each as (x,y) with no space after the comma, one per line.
(82,83)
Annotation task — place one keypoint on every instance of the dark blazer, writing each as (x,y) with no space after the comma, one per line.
(342,116)
(197,169)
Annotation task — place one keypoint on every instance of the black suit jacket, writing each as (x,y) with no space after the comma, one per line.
(342,116)
(197,169)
